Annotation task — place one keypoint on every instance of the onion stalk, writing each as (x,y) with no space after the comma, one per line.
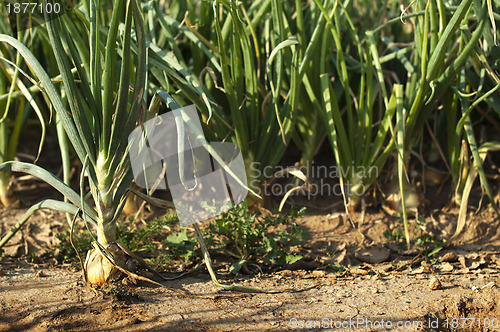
(102,112)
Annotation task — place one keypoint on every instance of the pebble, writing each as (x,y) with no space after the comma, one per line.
(435,284)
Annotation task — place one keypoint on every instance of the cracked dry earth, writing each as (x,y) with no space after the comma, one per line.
(388,290)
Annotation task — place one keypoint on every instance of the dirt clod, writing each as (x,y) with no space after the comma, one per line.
(449,257)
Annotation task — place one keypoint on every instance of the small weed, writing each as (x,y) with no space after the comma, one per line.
(339,268)
(33,258)
(145,237)
(430,245)
(245,237)
(240,235)
(342,269)
(168,245)
(397,236)
(64,251)
(427,244)
(181,245)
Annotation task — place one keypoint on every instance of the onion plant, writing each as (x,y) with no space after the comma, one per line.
(433,74)
(102,111)
(358,144)
(340,56)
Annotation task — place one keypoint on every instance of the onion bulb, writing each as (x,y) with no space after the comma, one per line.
(99,269)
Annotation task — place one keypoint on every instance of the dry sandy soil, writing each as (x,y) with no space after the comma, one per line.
(390,289)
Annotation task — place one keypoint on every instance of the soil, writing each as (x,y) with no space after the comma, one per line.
(385,285)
